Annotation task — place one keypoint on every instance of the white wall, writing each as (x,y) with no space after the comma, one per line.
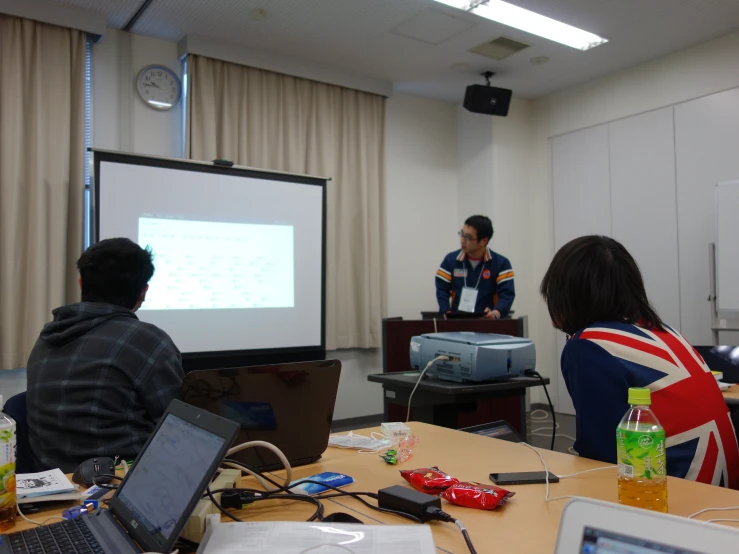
(421,200)
(474,165)
(699,71)
(121,120)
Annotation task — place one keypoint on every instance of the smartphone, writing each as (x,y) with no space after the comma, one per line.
(523,478)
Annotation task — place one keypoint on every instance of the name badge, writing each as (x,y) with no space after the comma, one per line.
(468,300)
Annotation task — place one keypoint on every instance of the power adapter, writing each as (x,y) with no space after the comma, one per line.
(409,501)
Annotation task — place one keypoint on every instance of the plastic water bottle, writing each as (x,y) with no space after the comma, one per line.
(642,461)
(7,471)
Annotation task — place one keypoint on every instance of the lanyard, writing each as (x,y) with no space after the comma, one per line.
(482,268)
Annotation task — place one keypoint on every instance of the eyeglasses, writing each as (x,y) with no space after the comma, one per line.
(468,238)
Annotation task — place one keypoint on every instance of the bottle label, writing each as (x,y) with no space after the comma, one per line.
(7,468)
(641,455)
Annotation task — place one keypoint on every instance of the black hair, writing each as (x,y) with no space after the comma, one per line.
(592,279)
(482,225)
(115,271)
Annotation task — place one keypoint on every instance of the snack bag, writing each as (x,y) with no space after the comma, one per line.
(477,495)
(430,480)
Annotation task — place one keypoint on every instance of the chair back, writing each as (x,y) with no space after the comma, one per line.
(15,407)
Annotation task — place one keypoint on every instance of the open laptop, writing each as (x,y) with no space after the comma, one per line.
(155,499)
(288,405)
(594,527)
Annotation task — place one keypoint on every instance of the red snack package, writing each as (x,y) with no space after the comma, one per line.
(430,480)
(477,495)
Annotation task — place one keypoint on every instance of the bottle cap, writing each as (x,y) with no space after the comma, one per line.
(640,397)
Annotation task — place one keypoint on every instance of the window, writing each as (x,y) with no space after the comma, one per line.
(87,209)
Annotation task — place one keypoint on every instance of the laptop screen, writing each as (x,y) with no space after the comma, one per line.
(597,541)
(166,476)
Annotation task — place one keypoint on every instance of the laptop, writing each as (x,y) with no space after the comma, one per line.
(156,497)
(595,527)
(288,405)
(496,430)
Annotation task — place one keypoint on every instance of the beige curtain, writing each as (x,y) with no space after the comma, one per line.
(42,142)
(273,121)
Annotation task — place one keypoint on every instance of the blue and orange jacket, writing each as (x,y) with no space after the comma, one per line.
(495,291)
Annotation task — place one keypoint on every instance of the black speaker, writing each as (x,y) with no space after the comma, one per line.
(487,100)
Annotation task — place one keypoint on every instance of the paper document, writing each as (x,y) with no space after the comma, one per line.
(29,485)
(319,538)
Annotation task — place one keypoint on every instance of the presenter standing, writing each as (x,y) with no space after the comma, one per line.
(475,279)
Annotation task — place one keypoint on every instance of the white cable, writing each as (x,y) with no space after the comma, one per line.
(586,471)
(29,520)
(699,512)
(436,330)
(268,446)
(547,431)
(410,398)
(265,485)
(546,475)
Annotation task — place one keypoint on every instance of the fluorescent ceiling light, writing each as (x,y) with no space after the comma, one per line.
(162,104)
(531,22)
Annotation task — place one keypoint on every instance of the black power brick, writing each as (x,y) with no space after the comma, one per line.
(401,499)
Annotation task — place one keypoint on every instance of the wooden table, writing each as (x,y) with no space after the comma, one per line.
(525,525)
(731,395)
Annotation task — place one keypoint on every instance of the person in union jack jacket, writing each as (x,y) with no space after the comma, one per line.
(616,340)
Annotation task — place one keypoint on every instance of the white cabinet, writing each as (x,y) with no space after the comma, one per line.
(582,203)
(643,206)
(707,151)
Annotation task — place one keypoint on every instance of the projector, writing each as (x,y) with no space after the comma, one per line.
(473,356)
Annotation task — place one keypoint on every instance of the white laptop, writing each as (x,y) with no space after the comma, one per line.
(595,527)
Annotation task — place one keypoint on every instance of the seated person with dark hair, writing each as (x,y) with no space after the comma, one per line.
(595,294)
(98,378)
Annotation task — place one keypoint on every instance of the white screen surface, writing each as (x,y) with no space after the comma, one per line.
(238,259)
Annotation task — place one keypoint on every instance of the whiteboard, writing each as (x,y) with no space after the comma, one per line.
(727,246)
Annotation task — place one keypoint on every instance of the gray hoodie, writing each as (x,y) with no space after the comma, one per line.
(98,381)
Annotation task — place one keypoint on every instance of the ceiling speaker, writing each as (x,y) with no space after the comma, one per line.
(487,100)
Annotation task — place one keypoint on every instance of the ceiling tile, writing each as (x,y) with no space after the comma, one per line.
(432,27)
(365,36)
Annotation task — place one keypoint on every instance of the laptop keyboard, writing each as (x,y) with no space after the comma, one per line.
(65,537)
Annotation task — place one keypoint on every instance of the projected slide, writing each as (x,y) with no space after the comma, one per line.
(206,265)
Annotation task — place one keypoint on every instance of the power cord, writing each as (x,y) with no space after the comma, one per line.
(425,369)
(546,474)
(259,477)
(551,406)
(282,491)
(106,486)
(438,514)
(699,512)
(29,520)
(544,431)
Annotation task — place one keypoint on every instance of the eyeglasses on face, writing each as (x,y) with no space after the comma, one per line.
(465,236)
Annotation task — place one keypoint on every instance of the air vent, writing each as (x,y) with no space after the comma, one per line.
(500,48)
